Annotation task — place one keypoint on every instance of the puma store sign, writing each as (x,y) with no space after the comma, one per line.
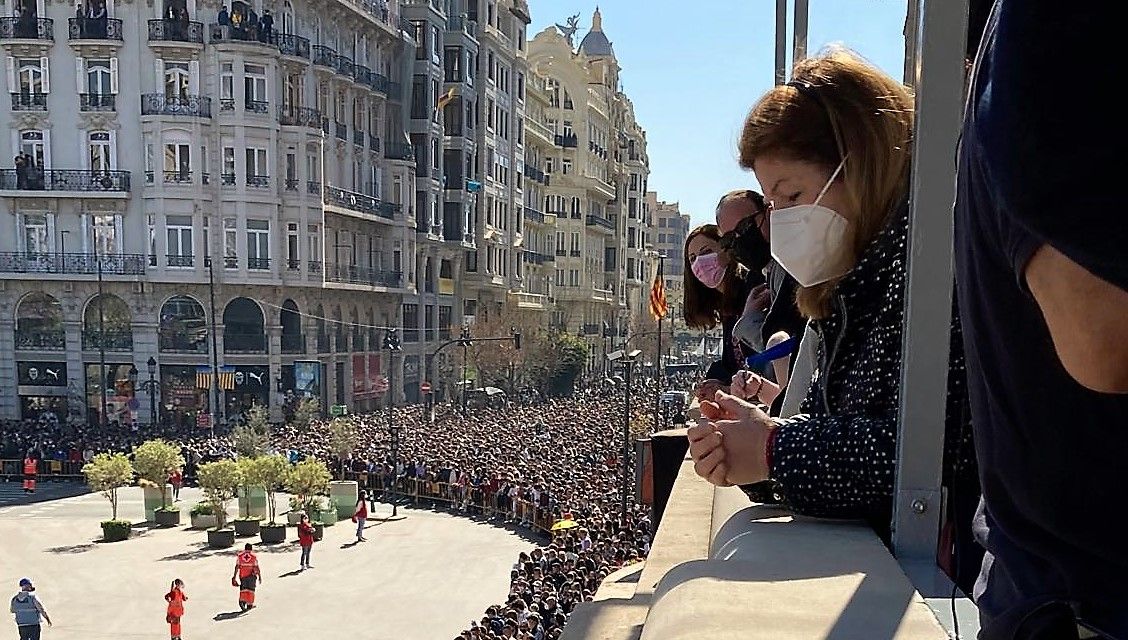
(42,374)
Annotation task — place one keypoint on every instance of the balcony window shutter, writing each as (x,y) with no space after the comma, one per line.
(11,71)
(44,64)
(159,64)
(80,75)
(114,76)
(194,77)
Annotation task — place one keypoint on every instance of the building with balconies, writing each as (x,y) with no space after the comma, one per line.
(671,230)
(203,194)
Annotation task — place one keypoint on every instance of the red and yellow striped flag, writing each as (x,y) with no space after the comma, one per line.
(658,306)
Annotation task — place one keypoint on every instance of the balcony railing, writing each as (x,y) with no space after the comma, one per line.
(231,33)
(373,143)
(293,343)
(125,264)
(532,215)
(258,181)
(29,102)
(258,264)
(362,75)
(95,29)
(108,339)
(600,221)
(291,116)
(97,102)
(159,104)
(184,341)
(37,179)
(41,339)
(344,66)
(360,202)
(291,184)
(399,151)
(342,130)
(293,45)
(176,31)
(180,261)
(323,55)
(27,28)
(358,138)
(178,177)
(349,274)
(314,267)
(568,142)
(459,23)
(243,342)
(227,104)
(381,84)
(313,188)
(257,106)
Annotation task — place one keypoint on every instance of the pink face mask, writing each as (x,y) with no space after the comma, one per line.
(708,269)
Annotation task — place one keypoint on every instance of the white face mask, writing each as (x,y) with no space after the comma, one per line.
(808,239)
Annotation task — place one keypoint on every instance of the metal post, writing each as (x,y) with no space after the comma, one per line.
(214,348)
(152,400)
(781,42)
(465,339)
(101,331)
(799,33)
(660,374)
(626,440)
(395,470)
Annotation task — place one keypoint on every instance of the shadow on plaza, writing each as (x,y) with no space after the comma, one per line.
(74,548)
(202,550)
(526,534)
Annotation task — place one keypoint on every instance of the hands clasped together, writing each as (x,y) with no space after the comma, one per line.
(729,446)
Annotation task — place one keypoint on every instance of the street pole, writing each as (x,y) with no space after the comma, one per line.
(214,348)
(660,375)
(152,396)
(101,332)
(395,470)
(465,340)
(392,344)
(626,440)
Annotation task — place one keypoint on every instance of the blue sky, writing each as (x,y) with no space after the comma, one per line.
(693,75)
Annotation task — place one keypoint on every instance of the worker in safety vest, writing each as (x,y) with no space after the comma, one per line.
(247,576)
(31,467)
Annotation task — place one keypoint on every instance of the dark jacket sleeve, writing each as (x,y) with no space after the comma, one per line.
(839,466)
(725,368)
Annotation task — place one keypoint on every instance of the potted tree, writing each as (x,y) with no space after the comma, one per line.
(154,461)
(270,473)
(251,440)
(203,516)
(294,515)
(107,473)
(247,524)
(308,480)
(220,481)
(343,439)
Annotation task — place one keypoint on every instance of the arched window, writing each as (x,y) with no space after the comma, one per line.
(107,323)
(338,331)
(291,320)
(101,151)
(183,326)
(243,330)
(33,143)
(357,335)
(39,323)
(286,23)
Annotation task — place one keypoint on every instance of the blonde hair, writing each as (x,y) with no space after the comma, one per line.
(837,106)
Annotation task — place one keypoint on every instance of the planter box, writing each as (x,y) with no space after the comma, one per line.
(244,528)
(252,503)
(152,499)
(221,538)
(115,531)
(346,493)
(204,522)
(293,518)
(327,517)
(167,518)
(318,531)
(273,534)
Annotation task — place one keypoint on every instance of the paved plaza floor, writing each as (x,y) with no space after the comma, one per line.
(420,578)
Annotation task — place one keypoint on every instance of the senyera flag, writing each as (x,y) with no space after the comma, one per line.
(658,306)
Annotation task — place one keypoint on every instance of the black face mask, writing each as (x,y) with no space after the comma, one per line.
(747,245)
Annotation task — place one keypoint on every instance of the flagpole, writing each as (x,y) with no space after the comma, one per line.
(214,348)
(659,376)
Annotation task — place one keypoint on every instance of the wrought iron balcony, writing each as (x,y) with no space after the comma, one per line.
(291,184)
(243,342)
(229,262)
(293,264)
(600,221)
(323,55)
(176,340)
(227,179)
(41,339)
(313,188)
(227,104)
(159,104)
(342,130)
(344,66)
(95,29)
(230,33)
(178,177)
(27,28)
(569,141)
(257,106)
(97,102)
(532,215)
(37,179)
(359,202)
(380,83)
(126,264)
(348,274)
(164,30)
(109,339)
(373,143)
(314,267)
(293,45)
(399,151)
(29,102)
(180,261)
(358,138)
(291,116)
(575,253)
(258,181)
(258,264)
(362,75)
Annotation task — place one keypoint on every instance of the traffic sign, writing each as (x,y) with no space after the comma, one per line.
(338,410)
(425,387)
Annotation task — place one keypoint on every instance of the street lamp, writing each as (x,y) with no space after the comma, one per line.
(628,361)
(392,345)
(464,340)
(149,385)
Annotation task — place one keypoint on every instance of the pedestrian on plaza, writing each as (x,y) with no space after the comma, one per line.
(247,576)
(305,540)
(29,611)
(30,469)
(360,516)
(176,479)
(175,598)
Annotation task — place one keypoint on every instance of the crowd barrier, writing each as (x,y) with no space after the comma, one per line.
(469,498)
(53,470)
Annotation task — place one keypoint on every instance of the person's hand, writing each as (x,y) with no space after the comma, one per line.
(708,389)
(759,300)
(707,453)
(746,385)
(744,440)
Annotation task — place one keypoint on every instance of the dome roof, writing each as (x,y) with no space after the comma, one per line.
(595,43)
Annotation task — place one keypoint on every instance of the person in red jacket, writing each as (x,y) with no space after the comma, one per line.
(360,516)
(176,479)
(30,469)
(175,598)
(247,576)
(305,541)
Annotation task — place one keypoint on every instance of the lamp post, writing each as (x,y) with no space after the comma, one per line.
(628,360)
(152,364)
(464,340)
(103,417)
(392,345)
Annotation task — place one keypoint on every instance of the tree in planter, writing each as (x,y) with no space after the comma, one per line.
(253,436)
(107,473)
(220,480)
(271,473)
(154,461)
(307,480)
(343,439)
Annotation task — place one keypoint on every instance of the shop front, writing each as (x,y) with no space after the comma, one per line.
(121,399)
(181,397)
(251,387)
(42,390)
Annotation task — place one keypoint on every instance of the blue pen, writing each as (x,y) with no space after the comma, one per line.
(781,350)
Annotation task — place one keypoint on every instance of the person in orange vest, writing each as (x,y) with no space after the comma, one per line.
(175,598)
(247,576)
(31,467)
